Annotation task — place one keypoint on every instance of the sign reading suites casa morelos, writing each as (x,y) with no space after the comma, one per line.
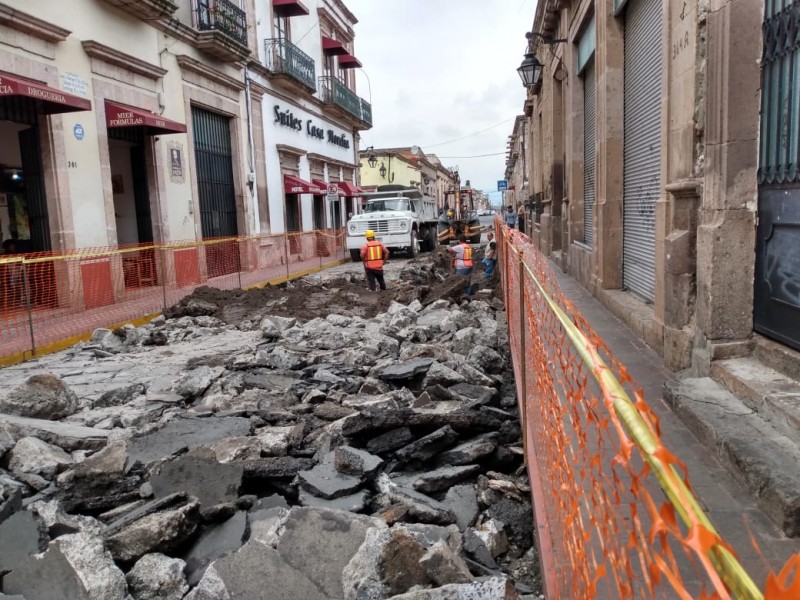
(286,118)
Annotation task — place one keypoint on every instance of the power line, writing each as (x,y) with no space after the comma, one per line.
(475,156)
(468,135)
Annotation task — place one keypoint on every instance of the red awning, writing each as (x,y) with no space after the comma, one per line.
(49,101)
(332,46)
(348,61)
(349,189)
(122,115)
(295,185)
(289,8)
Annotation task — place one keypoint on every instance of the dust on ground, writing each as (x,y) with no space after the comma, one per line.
(426,278)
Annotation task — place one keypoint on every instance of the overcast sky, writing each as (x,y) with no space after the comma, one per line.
(439,70)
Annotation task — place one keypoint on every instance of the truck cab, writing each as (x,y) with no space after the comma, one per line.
(401,218)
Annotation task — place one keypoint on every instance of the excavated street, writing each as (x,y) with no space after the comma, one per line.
(312,440)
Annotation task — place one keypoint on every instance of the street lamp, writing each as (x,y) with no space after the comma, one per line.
(372,161)
(382,170)
(530,71)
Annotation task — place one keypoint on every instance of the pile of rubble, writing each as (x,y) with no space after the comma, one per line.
(340,457)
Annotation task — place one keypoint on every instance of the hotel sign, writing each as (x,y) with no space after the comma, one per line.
(286,118)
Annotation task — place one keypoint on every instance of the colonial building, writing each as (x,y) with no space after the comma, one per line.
(132,122)
(308,112)
(645,128)
(410,167)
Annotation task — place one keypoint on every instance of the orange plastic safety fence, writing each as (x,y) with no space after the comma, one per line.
(52,297)
(599,471)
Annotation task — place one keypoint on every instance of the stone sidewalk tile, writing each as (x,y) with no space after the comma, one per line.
(728,504)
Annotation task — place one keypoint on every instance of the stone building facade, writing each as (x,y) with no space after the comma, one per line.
(644,168)
(160,120)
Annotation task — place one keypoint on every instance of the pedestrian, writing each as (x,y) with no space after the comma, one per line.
(374,254)
(521,219)
(462,258)
(490,258)
(510,217)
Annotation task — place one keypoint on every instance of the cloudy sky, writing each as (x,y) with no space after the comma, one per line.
(441,74)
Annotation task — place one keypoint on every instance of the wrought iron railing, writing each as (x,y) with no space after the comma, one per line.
(336,92)
(366,111)
(283,56)
(223,16)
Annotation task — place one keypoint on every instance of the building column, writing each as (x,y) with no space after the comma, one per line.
(726,235)
(609,62)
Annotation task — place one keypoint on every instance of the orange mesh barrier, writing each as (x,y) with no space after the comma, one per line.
(52,297)
(615,514)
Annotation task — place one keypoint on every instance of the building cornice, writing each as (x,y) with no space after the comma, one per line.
(20,21)
(120,59)
(333,161)
(187,63)
(292,150)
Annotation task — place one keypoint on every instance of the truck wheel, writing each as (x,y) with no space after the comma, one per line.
(413,249)
(431,239)
(355,255)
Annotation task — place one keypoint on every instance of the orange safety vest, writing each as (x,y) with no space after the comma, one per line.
(374,255)
(467,256)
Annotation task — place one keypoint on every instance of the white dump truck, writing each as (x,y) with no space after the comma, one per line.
(402,218)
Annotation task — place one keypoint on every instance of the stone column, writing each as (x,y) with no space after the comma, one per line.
(676,211)
(609,61)
(726,235)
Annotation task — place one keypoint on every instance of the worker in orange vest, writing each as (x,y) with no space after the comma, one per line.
(375,255)
(462,256)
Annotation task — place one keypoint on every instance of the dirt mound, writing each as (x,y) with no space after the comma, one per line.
(426,279)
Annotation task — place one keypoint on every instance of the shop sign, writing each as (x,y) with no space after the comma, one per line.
(74,84)
(286,118)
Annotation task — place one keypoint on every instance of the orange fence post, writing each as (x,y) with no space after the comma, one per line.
(28,308)
(523,363)
(286,251)
(163,276)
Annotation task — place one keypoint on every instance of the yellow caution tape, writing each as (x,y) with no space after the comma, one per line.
(680,496)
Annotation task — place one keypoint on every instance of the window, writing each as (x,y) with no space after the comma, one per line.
(281,27)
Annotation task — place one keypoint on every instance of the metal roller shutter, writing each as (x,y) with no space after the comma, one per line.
(589,151)
(642,152)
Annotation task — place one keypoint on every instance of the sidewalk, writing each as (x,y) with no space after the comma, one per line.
(728,504)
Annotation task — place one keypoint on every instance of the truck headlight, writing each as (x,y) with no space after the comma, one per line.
(351,228)
(404,225)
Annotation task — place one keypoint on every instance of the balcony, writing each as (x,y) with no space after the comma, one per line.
(338,96)
(147,10)
(223,30)
(290,65)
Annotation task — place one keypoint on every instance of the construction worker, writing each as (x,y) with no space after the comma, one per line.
(374,255)
(462,256)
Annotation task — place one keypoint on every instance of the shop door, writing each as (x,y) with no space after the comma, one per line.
(31,153)
(41,276)
(642,145)
(218,214)
(777,272)
(293,222)
(589,151)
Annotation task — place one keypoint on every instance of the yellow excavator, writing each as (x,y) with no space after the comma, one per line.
(459,219)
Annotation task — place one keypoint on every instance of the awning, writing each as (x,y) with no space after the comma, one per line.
(349,189)
(289,8)
(295,185)
(122,115)
(49,101)
(332,46)
(348,61)
(323,185)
